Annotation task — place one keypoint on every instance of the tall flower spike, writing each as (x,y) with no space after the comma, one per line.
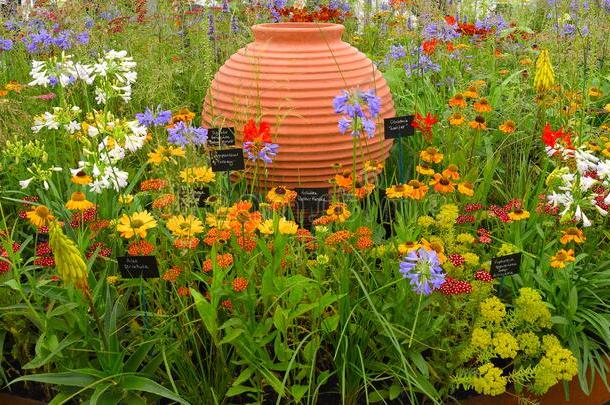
(68,259)
(544,80)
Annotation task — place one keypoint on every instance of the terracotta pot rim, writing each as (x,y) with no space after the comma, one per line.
(297,27)
(301,32)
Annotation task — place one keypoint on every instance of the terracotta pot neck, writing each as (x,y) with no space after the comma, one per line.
(308,32)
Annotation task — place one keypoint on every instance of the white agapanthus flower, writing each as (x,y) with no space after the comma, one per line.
(46,120)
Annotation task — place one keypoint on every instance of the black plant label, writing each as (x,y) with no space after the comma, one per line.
(508,265)
(138,266)
(225,160)
(398,127)
(314,199)
(218,137)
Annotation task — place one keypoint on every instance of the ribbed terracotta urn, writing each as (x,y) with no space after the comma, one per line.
(289,77)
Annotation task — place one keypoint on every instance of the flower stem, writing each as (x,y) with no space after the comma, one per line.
(415,320)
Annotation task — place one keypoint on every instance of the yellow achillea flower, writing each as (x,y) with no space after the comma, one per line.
(505,345)
(490,380)
(493,310)
(69,261)
(481,338)
(544,79)
(530,308)
(528,343)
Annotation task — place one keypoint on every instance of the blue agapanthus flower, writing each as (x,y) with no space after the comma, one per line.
(6,44)
(150,118)
(423,269)
(359,110)
(182,134)
(264,151)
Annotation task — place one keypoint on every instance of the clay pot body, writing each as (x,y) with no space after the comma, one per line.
(289,77)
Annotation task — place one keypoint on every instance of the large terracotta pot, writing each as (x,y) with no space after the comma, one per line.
(289,77)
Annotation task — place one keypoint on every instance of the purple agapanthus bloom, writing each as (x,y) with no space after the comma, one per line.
(182,134)
(423,65)
(6,44)
(264,151)
(234,24)
(359,110)
(423,269)
(151,118)
(339,5)
(440,31)
(397,52)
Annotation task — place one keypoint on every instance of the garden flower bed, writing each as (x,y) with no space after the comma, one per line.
(282,201)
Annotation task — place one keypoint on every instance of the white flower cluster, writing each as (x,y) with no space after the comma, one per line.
(112,74)
(577,188)
(59,118)
(104,176)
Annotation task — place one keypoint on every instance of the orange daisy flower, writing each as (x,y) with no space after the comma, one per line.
(442,183)
(507,127)
(431,155)
(457,118)
(478,123)
(458,101)
(572,234)
(418,189)
(482,106)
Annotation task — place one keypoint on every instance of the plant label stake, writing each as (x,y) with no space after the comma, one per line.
(397,128)
(139,267)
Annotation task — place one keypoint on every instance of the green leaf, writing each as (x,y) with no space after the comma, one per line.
(98,392)
(243,376)
(298,391)
(573,301)
(55,348)
(395,391)
(330,324)
(135,360)
(231,336)
(207,313)
(137,383)
(70,379)
(237,390)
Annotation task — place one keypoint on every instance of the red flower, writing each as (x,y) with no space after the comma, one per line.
(449,19)
(429,46)
(254,134)
(424,124)
(550,137)
(452,286)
